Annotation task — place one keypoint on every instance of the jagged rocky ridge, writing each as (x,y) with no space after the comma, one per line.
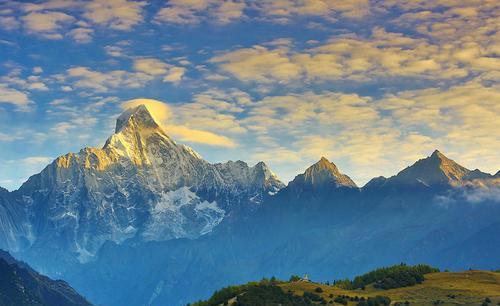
(143,185)
(140,184)
(436,170)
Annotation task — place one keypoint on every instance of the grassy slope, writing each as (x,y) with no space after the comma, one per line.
(470,288)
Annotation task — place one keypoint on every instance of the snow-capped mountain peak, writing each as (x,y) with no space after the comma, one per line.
(140,185)
(262,171)
(138,116)
(136,133)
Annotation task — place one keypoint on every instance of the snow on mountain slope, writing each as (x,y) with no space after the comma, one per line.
(200,216)
(140,184)
(259,177)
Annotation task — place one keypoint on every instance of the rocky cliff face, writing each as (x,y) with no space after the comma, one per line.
(15,230)
(140,184)
(437,170)
(321,176)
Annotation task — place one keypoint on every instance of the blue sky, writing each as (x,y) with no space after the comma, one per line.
(372,86)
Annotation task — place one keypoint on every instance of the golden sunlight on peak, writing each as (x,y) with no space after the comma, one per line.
(159,110)
(164,114)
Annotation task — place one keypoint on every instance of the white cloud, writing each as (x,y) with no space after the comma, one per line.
(228,11)
(174,75)
(55,19)
(38,86)
(61,128)
(163,114)
(151,66)
(37,70)
(198,136)
(259,64)
(116,14)
(81,35)
(9,23)
(49,5)
(284,10)
(46,24)
(114,51)
(214,110)
(15,97)
(185,12)
(7,137)
(36,160)
(160,110)
(351,57)
(156,67)
(84,77)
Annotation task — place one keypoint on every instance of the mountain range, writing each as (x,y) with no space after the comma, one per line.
(140,184)
(152,221)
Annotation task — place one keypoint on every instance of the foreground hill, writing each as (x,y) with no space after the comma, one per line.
(22,286)
(439,288)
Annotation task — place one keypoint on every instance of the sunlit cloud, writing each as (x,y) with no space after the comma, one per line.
(181,12)
(81,35)
(36,160)
(259,64)
(116,14)
(284,10)
(46,24)
(156,67)
(355,58)
(160,110)
(198,136)
(55,19)
(162,113)
(14,97)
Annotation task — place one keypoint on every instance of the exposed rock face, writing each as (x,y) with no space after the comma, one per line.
(436,170)
(323,175)
(142,185)
(15,231)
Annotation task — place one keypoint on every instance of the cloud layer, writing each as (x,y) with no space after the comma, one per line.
(372,85)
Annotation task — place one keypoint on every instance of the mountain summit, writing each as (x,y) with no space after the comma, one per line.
(140,185)
(436,170)
(138,137)
(321,176)
(138,116)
